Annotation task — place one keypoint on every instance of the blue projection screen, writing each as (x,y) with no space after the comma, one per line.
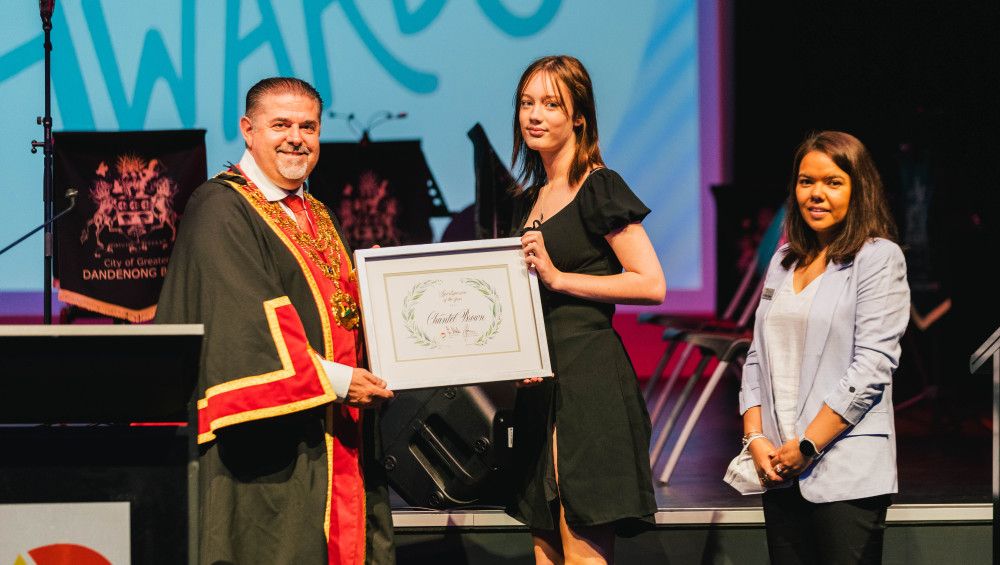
(124,65)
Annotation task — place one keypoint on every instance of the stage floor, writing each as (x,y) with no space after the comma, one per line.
(937,465)
(944,466)
(942,514)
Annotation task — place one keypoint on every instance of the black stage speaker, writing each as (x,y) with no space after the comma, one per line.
(448,447)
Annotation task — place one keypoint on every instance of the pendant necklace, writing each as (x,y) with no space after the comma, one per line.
(541,200)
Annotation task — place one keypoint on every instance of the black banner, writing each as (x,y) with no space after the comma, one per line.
(112,250)
(382,192)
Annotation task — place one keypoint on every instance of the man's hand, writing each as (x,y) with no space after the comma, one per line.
(366,390)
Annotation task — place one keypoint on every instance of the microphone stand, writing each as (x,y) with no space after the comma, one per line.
(45,8)
(378,118)
(375,119)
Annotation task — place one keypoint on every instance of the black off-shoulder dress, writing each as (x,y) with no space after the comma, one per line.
(594,399)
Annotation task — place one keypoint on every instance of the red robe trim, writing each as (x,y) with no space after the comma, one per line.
(346,501)
(300,384)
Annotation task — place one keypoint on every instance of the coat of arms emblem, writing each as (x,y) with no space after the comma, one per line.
(134,202)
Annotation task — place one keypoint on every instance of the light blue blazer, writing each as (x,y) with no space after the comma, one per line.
(858,315)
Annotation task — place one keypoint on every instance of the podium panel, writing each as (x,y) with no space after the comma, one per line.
(98,374)
(101,414)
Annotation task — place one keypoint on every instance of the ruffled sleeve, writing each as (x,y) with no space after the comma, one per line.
(608,204)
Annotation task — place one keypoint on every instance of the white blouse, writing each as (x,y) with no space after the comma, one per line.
(785,331)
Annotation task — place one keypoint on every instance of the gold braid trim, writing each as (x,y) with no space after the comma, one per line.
(324,250)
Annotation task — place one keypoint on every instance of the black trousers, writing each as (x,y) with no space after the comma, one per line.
(843,532)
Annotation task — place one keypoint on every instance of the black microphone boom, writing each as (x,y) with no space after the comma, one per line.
(379,118)
(71,194)
(374,120)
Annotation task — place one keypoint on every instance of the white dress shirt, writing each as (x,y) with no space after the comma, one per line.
(338,374)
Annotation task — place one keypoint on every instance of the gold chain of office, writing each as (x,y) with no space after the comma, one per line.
(324,250)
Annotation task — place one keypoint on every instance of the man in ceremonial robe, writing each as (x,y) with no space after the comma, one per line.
(288,471)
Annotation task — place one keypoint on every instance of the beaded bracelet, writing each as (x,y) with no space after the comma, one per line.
(748,438)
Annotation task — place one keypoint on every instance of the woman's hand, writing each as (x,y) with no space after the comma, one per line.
(761,449)
(788,461)
(537,258)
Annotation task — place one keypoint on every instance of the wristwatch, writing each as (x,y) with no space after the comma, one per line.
(807,448)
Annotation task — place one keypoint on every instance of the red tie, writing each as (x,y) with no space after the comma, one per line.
(295,204)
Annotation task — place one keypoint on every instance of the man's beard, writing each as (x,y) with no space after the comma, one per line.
(293,168)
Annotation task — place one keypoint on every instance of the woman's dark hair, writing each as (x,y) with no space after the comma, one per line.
(569,73)
(867,212)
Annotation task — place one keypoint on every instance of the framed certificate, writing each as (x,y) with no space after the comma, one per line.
(451,314)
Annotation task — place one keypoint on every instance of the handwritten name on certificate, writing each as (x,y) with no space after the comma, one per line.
(441,313)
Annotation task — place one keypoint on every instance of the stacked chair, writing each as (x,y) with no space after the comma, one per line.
(724,338)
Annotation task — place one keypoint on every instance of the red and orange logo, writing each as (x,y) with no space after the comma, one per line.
(62,554)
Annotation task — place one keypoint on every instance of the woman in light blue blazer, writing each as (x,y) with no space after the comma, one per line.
(816,396)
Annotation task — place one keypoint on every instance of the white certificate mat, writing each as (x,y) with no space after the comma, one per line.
(451,314)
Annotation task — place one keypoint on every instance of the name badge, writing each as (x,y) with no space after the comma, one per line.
(768,294)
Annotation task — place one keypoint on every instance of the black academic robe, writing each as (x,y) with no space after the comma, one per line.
(281,463)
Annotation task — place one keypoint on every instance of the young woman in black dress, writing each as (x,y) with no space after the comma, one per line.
(582,438)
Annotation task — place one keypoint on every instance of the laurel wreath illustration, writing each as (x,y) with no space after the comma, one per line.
(495,309)
(409,313)
(417,333)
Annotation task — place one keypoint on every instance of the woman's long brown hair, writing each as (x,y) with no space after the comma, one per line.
(567,73)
